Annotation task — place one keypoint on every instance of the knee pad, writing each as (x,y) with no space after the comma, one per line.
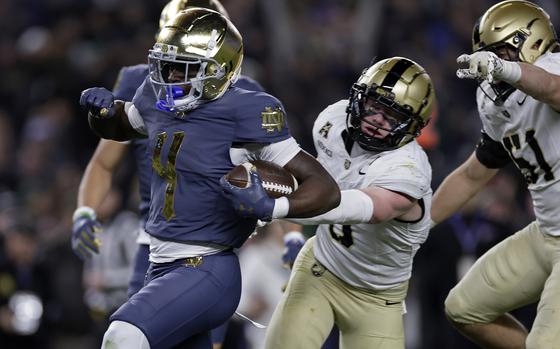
(123,335)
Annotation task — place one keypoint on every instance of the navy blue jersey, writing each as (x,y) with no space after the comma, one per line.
(130,78)
(128,81)
(191,154)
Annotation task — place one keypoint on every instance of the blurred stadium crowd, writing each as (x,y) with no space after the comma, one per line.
(306,52)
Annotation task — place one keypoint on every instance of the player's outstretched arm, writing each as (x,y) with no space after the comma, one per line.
(107,117)
(460,186)
(539,84)
(317,192)
(367,205)
(529,78)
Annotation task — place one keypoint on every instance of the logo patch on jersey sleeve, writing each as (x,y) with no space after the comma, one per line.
(324,131)
(273,119)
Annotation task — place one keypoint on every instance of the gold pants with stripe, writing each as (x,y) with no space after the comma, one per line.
(315,300)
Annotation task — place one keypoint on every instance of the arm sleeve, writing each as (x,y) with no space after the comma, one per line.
(491,153)
(355,207)
(280,152)
(135,118)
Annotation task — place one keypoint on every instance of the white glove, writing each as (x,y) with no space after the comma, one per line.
(485,65)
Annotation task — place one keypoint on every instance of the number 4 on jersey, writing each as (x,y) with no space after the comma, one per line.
(168,172)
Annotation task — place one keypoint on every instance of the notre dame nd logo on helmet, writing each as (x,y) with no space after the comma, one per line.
(273,119)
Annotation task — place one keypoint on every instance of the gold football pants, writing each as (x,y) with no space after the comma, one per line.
(518,271)
(315,299)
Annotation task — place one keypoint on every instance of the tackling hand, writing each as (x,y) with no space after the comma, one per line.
(485,65)
(85,230)
(98,101)
(252,201)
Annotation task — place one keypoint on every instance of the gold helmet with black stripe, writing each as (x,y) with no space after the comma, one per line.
(520,25)
(399,89)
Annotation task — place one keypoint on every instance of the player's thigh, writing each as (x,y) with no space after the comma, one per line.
(183,301)
(508,276)
(542,334)
(303,318)
(370,319)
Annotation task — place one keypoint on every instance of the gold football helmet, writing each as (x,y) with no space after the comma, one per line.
(523,26)
(197,55)
(175,6)
(400,88)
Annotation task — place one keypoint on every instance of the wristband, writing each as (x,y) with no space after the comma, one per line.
(511,72)
(84,211)
(281,207)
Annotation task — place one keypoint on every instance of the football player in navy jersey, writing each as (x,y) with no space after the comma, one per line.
(97,178)
(193,116)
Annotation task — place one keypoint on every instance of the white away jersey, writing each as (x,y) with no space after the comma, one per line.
(529,130)
(373,256)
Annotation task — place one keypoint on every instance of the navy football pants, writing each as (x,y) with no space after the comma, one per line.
(180,302)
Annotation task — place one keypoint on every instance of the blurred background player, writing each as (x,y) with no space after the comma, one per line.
(354,273)
(192,116)
(517,65)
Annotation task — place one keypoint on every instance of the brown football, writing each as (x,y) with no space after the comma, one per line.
(276,180)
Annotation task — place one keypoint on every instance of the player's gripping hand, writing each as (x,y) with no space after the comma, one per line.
(485,65)
(85,233)
(293,242)
(252,201)
(98,101)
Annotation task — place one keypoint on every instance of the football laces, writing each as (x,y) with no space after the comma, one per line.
(279,188)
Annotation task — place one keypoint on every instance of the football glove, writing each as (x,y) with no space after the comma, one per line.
(250,202)
(293,242)
(485,65)
(98,101)
(85,232)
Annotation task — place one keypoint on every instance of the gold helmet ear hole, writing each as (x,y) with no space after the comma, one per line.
(537,44)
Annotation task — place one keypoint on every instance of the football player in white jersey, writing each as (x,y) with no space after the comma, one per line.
(354,273)
(516,61)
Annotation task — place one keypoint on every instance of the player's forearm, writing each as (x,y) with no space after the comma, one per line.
(539,84)
(458,188)
(98,176)
(117,128)
(95,185)
(317,193)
